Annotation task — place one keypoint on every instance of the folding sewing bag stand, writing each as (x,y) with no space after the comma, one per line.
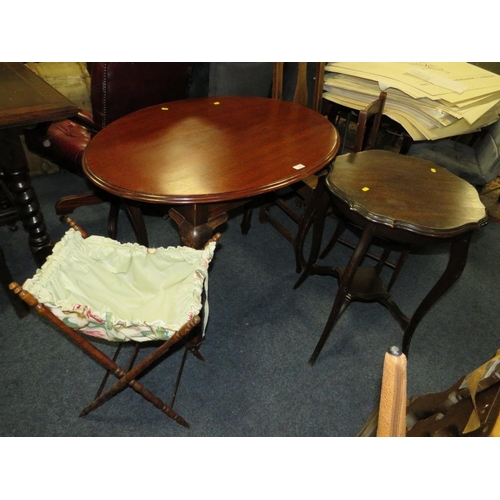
(90,284)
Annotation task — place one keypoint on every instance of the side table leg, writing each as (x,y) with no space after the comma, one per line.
(307,221)
(342,298)
(15,168)
(456,264)
(318,207)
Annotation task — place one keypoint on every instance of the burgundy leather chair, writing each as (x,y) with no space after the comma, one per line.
(116,89)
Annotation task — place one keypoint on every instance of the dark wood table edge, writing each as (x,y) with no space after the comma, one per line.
(15,165)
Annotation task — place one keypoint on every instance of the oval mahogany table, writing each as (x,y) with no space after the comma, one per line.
(209,155)
(406,202)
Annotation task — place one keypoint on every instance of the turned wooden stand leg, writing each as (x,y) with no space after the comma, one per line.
(17,178)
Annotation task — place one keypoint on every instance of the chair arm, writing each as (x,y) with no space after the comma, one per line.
(84,118)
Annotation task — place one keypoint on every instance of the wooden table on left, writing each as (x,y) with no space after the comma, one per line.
(25,101)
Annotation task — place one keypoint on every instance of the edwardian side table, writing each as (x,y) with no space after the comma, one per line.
(404,201)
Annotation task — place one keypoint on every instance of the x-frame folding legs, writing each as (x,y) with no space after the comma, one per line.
(125,378)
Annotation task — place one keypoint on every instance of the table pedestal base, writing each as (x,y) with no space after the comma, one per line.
(195,236)
(198,222)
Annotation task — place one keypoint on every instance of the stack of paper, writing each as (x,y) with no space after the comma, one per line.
(430,100)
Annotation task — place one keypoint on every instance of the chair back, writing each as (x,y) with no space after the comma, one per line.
(298,87)
(239,79)
(366,131)
(120,88)
(368,123)
(488,151)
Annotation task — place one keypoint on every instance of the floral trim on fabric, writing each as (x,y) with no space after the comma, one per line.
(99,286)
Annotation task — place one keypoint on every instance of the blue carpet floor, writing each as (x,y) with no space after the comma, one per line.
(255,380)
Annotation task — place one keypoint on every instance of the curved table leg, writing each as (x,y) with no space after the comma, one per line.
(318,208)
(456,263)
(342,299)
(305,224)
(17,178)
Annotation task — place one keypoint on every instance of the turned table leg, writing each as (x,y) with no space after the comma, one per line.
(17,178)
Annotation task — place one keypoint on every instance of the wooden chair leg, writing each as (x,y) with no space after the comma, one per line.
(179,375)
(401,261)
(68,204)
(247,220)
(136,218)
(114,210)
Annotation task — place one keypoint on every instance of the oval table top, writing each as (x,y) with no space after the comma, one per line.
(209,150)
(407,193)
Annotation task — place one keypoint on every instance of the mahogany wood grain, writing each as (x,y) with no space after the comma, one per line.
(209,150)
(217,151)
(405,192)
(292,202)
